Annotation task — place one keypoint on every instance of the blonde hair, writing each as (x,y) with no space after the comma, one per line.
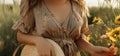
(83,7)
(26,11)
(32,3)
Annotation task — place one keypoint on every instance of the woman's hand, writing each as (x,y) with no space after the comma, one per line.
(100,51)
(44,47)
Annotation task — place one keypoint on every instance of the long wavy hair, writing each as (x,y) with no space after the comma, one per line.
(32,3)
(84,7)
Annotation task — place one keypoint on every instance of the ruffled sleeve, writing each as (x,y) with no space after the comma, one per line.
(26,23)
(85,28)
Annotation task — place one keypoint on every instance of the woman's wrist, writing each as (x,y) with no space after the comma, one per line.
(39,40)
(92,50)
(100,49)
(95,49)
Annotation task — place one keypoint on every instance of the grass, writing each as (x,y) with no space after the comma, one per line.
(7,35)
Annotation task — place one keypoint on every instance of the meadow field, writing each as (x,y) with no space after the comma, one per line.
(104,25)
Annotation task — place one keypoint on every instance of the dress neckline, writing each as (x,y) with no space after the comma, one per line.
(56,21)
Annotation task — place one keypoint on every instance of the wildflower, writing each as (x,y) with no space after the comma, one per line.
(116,32)
(108,30)
(113,34)
(118,28)
(117,20)
(103,36)
(97,20)
(112,39)
(88,37)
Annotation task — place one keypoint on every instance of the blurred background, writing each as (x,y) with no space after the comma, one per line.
(104,24)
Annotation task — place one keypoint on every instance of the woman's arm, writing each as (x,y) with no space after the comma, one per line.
(28,38)
(94,50)
(85,45)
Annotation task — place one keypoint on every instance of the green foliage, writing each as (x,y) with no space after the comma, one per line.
(7,36)
(96,31)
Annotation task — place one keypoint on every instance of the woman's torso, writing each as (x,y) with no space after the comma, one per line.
(64,34)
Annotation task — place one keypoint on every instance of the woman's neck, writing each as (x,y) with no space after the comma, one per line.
(55,2)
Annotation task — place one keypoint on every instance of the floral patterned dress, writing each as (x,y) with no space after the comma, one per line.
(40,22)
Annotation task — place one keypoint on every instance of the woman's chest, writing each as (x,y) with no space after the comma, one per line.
(49,27)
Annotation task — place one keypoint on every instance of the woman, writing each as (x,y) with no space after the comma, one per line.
(63,21)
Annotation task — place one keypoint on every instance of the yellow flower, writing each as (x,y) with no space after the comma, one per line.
(97,20)
(88,37)
(113,34)
(108,30)
(117,20)
(118,28)
(117,31)
(112,39)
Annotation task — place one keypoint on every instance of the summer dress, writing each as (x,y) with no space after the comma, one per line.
(40,22)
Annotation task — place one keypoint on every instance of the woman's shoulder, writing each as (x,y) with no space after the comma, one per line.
(26,8)
(83,10)
(76,6)
(39,11)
